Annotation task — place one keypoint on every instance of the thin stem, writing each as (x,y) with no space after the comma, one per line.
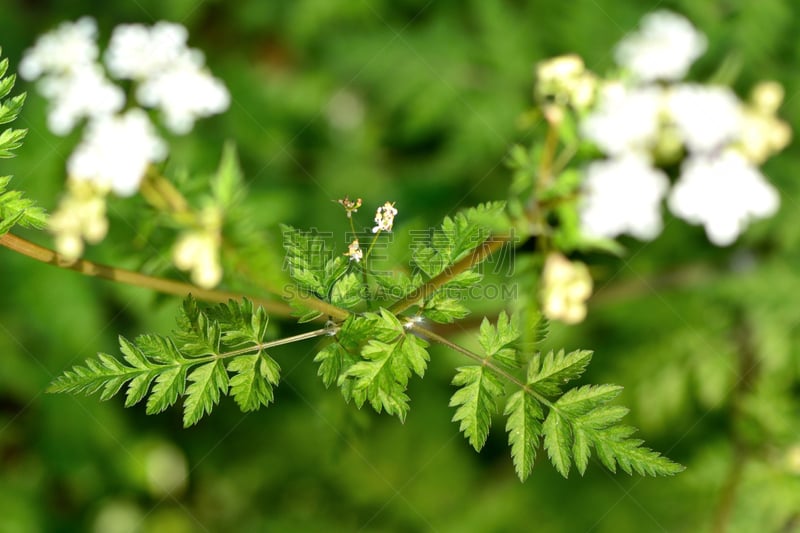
(265,346)
(96,270)
(484,361)
(484,250)
(364,279)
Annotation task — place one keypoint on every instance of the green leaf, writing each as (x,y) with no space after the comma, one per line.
(382,377)
(524,429)
(228,184)
(252,384)
(476,402)
(547,374)
(347,291)
(558,442)
(208,380)
(15,209)
(495,339)
(444,310)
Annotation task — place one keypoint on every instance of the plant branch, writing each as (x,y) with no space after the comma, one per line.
(97,270)
(488,247)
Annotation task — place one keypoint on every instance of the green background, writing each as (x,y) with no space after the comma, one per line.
(427,95)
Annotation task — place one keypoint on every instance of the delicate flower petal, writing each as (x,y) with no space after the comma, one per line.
(116,151)
(623,195)
(663,49)
(707,117)
(723,193)
(69,47)
(625,119)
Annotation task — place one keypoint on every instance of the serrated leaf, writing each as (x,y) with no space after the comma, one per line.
(347,291)
(558,442)
(384,373)
(476,402)
(252,384)
(549,373)
(444,310)
(524,429)
(207,381)
(168,387)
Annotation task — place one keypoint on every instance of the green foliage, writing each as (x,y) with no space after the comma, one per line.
(213,353)
(15,209)
(577,420)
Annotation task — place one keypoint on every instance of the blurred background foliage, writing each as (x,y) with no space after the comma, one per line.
(414,101)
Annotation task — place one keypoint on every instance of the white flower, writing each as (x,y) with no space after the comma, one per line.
(184,93)
(116,151)
(198,252)
(623,195)
(625,118)
(384,218)
(83,92)
(663,49)
(354,252)
(566,286)
(723,193)
(566,80)
(138,52)
(70,46)
(81,216)
(707,117)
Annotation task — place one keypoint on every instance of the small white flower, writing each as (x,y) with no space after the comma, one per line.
(566,286)
(198,252)
(70,46)
(723,193)
(664,48)
(83,92)
(184,93)
(623,195)
(138,52)
(354,252)
(116,151)
(384,217)
(81,216)
(625,119)
(707,117)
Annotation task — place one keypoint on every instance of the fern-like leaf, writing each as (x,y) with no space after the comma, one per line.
(476,402)
(524,427)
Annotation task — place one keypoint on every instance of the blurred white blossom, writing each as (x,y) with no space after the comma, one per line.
(83,93)
(763,133)
(664,48)
(707,117)
(184,93)
(723,193)
(566,80)
(69,47)
(625,119)
(566,286)
(115,152)
(80,216)
(139,52)
(198,252)
(623,195)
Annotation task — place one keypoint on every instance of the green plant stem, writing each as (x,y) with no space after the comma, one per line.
(96,270)
(484,361)
(484,250)
(160,193)
(264,346)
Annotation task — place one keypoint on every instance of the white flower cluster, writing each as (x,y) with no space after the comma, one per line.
(651,116)
(118,146)
(168,76)
(384,217)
